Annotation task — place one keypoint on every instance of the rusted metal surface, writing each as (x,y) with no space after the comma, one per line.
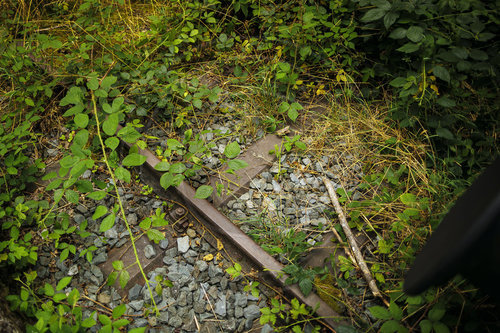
(238,244)
(258,158)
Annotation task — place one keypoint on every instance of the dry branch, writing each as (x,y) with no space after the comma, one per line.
(352,241)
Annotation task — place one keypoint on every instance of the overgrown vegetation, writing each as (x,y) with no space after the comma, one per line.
(410,87)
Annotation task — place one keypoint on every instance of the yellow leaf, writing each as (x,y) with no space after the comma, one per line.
(220,246)
(435,88)
(218,256)
(208,257)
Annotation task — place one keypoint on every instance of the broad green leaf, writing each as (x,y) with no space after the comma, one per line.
(292,114)
(73,96)
(124,278)
(118,265)
(390,326)
(437,312)
(425,326)
(174,144)
(398,33)
(134,159)
(74,110)
(97,195)
(305,286)
(71,196)
(284,106)
(129,134)
(162,166)
(81,137)
(380,312)
(390,18)
(122,174)
(100,211)
(138,330)
(73,297)
(415,33)
(110,125)
(237,164)
(409,48)
(373,14)
(59,297)
(395,311)
(168,179)
(117,103)
(203,192)
(398,82)
(93,83)
(105,320)
(107,223)
(232,150)
(68,161)
(446,102)
(29,101)
(177,168)
(107,82)
(155,235)
(445,133)
(301,145)
(48,290)
(442,73)
(63,283)
(408,199)
(89,322)
(112,142)
(439,327)
(120,323)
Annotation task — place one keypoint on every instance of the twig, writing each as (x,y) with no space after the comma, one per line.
(352,241)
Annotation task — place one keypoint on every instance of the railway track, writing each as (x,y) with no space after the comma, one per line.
(189,212)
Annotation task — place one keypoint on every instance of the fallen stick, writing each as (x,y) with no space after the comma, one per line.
(352,241)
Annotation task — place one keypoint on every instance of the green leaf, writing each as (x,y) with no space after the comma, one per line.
(134,159)
(292,114)
(71,196)
(408,199)
(398,82)
(48,290)
(63,283)
(380,312)
(124,278)
(425,326)
(390,326)
(81,138)
(155,235)
(59,297)
(73,96)
(168,179)
(74,110)
(284,106)
(446,102)
(203,192)
(107,82)
(97,195)
(162,166)
(439,327)
(232,150)
(415,33)
(373,15)
(100,211)
(441,73)
(237,164)
(89,322)
(107,223)
(110,125)
(112,142)
(409,48)
(119,311)
(396,311)
(437,312)
(118,265)
(138,330)
(398,33)
(122,174)
(478,55)
(93,83)
(445,133)
(29,101)
(390,18)
(73,297)
(120,323)
(305,286)
(177,168)
(105,320)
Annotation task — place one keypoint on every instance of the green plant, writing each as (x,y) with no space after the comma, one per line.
(292,317)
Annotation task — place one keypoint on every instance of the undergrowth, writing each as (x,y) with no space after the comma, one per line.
(409,89)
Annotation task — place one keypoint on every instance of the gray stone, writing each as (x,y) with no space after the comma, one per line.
(249,204)
(183,244)
(134,292)
(266,329)
(132,218)
(141,322)
(78,218)
(175,321)
(164,243)
(201,265)
(240,300)
(238,312)
(289,211)
(294,178)
(111,233)
(100,258)
(163,318)
(324,199)
(220,306)
(251,312)
(137,305)
(73,270)
(149,251)
(306,161)
(191,233)
(82,209)
(104,298)
(213,270)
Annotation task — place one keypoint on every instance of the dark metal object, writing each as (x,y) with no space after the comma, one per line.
(467,242)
